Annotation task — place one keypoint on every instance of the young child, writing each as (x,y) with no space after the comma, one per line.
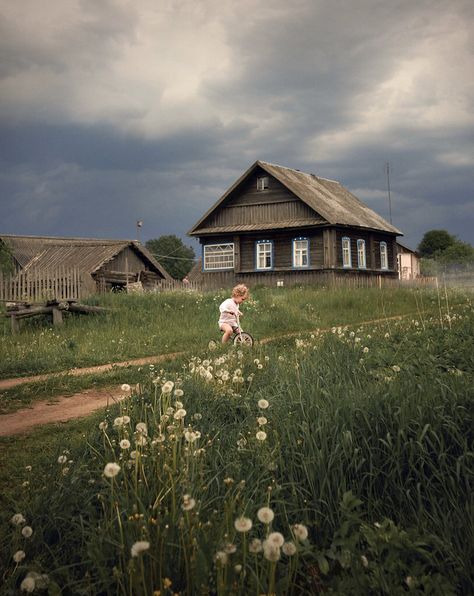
(229,311)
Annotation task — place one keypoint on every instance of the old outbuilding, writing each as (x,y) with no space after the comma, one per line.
(102,264)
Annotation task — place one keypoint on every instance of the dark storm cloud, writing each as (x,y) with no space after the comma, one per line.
(113,112)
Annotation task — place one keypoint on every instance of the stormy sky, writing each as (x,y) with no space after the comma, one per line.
(113,111)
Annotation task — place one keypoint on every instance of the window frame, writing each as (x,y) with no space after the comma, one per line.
(205,265)
(361,254)
(263,183)
(294,253)
(383,256)
(263,243)
(346,251)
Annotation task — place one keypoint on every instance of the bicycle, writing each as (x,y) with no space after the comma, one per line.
(237,338)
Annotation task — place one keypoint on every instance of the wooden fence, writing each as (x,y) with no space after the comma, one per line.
(37,285)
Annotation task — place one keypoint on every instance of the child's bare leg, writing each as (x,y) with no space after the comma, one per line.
(227,329)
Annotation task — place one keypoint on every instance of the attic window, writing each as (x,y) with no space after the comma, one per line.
(262,183)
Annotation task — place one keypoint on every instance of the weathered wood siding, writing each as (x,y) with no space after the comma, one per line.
(247,205)
(126,260)
(372,248)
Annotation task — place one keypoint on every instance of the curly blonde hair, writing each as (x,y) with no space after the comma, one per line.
(240,290)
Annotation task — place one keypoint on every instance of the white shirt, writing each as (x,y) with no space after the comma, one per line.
(229,311)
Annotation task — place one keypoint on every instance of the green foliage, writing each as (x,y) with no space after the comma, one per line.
(435,242)
(6,262)
(368,446)
(173,254)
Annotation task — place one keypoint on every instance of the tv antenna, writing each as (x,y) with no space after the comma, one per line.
(387,168)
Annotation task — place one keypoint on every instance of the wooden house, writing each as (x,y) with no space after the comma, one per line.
(103,264)
(280,226)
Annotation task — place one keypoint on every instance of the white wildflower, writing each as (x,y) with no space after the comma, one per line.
(111,469)
(28,585)
(276,538)
(139,547)
(243,524)
(19,556)
(300,531)
(188,503)
(167,387)
(255,546)
(289,548)
(18,519)
(265,515)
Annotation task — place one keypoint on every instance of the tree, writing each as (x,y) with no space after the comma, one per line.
(172,254)
(6,261)
(435,242)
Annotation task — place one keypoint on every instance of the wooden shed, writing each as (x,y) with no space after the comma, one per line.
(278,226)
(104,264)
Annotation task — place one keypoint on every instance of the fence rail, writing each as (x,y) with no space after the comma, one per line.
(36,285)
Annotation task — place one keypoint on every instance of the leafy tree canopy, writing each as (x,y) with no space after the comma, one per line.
(435,242)
(172,254)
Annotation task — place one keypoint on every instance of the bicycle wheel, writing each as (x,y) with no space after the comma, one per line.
(243,338)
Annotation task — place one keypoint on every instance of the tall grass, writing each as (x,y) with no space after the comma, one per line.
(367,444)
(153,324)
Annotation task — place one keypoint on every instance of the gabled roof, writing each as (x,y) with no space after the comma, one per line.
(328,198)
(87,254)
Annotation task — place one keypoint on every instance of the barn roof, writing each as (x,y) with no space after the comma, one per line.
(87,254)
(327,198)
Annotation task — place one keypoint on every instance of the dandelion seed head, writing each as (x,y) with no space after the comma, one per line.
(111,470)
(276,538)
(62,459)
(289,549)
(188,503)
(28,585)
(265,515)
(221,557)
(103,425)
(255,546)
(243,524)
(300,531)
(19,556)
(178,393)
(27,531)
(18,519)
(261,435)
(124,444)
(139,547)
(167,387)
(271,551)
(125,387)
(179,414)
(263,404)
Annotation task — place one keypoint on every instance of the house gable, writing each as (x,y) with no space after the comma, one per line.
(246,208)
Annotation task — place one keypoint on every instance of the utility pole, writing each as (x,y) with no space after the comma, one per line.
(387,167)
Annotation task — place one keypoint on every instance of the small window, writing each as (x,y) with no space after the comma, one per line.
(361,254)
(218,256)
(264,254)
(346,252)
(383,256)
(300,252)
(262,183)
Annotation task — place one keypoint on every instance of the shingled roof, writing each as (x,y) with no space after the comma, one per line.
(328,198)
(87,254)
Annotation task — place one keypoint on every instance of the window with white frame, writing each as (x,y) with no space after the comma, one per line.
(346,252)
(300,252)
(218,256)
(383,256)
(262,182)
(264,256)
(361,263)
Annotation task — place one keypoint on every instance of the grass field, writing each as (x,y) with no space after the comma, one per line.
(337,462)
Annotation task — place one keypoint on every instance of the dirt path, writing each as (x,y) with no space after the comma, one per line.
(63,408)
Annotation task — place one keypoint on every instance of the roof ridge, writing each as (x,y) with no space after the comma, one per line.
(275,165)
